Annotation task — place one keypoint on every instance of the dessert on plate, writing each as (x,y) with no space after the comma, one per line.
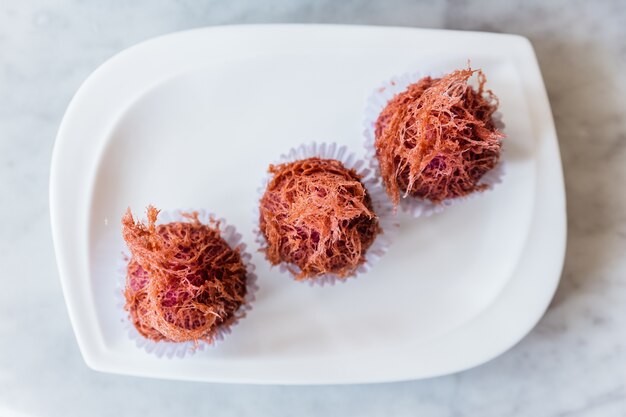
(437,139)
(317,219)
(184,281)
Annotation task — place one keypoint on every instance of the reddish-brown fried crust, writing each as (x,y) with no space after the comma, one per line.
(437,139)
(183,280)
(317,215)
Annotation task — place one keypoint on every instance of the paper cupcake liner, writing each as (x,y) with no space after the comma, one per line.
(380,203)
(376,102)
(180,349)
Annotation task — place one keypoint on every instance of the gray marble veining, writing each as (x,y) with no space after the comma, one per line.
(572,364)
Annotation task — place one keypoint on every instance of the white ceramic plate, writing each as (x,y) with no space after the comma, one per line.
(193,119)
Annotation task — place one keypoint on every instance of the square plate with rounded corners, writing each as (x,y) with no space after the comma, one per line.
(192,120)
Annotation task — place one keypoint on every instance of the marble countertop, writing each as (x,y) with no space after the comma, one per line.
(572,364)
